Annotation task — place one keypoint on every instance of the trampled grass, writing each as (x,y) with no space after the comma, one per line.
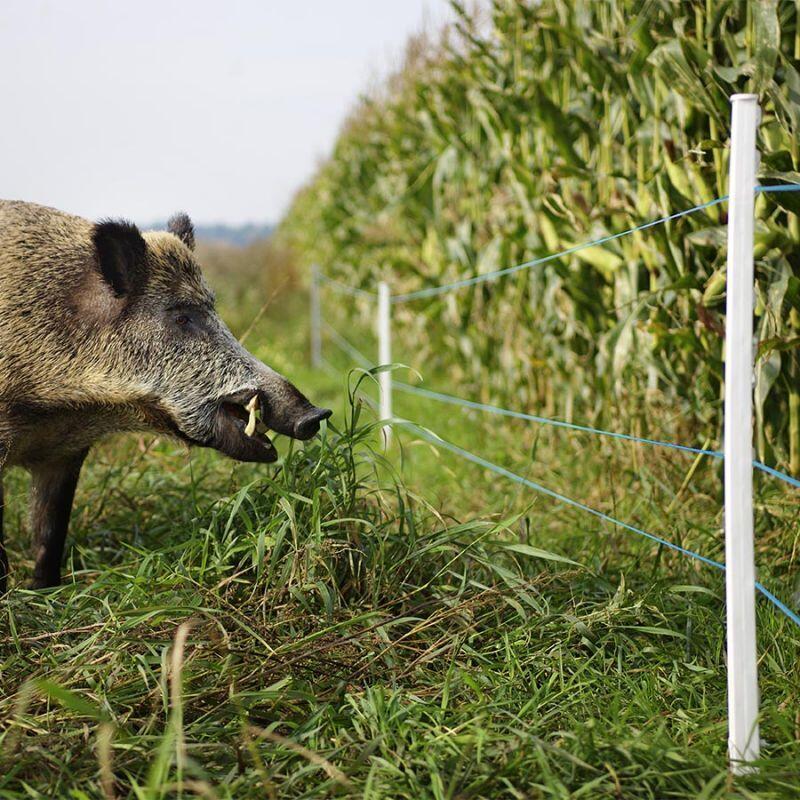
(330,628)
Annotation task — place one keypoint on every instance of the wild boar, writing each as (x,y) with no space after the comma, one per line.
(106,329)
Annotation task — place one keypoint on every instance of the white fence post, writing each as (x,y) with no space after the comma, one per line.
(743,733)
(316,321)
(385,354)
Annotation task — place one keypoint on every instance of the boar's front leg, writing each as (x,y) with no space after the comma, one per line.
(52,492)
(3,556)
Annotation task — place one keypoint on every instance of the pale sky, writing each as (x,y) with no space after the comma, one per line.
(223,109)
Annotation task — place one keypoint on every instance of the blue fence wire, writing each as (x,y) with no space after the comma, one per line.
(537,487)
(366,363)
(776,473)
(432,291)
(345,288)
(349,348)
(562,498)
(490,276)
(458,401)
(783,187)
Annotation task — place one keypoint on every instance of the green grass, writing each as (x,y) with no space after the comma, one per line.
(332,626)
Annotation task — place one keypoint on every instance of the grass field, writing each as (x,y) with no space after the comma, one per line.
(348,624)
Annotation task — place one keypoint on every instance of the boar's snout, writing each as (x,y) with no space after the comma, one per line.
(308,425)
(286,410)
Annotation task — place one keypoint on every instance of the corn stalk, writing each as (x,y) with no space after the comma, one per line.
(549,124)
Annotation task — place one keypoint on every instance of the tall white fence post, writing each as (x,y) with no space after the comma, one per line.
(385,355)
(316,318)
(743,733)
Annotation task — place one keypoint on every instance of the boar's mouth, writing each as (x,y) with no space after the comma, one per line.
(238,433)
(234,434)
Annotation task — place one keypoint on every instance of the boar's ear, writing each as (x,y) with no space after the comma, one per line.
(121,252)
(180,225)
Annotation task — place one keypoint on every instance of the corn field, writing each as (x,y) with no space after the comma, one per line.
(534,126)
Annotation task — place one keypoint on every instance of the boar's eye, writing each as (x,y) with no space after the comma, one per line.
(187,319)
(184,320)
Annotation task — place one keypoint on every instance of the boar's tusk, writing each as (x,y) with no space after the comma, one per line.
(252,407)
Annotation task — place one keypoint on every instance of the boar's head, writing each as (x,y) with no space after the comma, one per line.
(165,345)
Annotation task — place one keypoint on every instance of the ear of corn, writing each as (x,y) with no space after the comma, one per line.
(537,125)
